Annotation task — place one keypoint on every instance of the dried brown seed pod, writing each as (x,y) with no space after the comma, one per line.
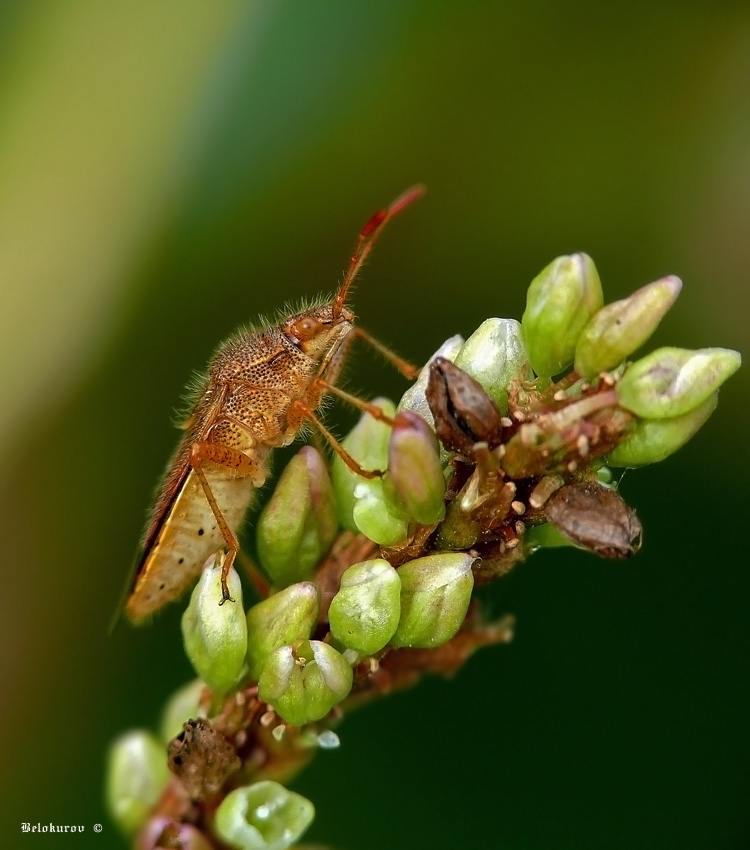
(596,518)
(201,758)
(464,413)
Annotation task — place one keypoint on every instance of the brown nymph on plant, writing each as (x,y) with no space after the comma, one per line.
(367,566)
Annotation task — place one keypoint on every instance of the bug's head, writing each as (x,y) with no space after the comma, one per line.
(317,332)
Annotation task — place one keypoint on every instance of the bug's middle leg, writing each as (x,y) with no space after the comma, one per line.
(299,411)
(229,458)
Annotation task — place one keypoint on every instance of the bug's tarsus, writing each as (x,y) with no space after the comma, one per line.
(225,597)
(367,237)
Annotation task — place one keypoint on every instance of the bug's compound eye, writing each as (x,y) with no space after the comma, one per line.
(306,328)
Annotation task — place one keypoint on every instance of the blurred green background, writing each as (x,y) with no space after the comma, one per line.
(170,170)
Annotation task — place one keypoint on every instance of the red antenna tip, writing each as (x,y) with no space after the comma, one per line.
(405,200)
(367,237)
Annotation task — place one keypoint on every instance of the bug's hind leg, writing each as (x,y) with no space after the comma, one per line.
(224,456)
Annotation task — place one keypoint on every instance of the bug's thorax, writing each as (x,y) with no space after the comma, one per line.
(256,377)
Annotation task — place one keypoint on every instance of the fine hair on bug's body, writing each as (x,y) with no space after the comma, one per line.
(262,386)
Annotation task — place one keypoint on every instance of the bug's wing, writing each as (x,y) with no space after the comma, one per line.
(172,482)
(187,538)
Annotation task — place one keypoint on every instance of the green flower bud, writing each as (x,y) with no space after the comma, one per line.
(459,530)
(361,502)
(137,773)
(495,355)
(620,328)
(181,706)
(672,381)
(262,816)
(304,682)
(214,634)
(435,595)
(284,618)
(655,439)
(374,519)
(560,301)
(365,611)
(367,443)
(415,482)
(415,398)
(298,525)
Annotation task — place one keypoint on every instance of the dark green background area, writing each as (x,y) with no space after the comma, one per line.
(618,718)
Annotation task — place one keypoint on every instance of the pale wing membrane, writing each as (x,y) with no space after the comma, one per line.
(189,536)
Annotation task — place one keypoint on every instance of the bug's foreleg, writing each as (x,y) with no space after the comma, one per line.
(409,371)
(359,403)
(215,453)
(298,410)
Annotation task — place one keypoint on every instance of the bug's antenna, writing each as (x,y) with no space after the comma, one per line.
(366,240)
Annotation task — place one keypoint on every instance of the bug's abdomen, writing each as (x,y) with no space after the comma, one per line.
(189,535)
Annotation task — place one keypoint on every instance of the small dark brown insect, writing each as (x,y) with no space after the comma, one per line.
(262,385)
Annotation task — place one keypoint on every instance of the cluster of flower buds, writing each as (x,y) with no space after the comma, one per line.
(501,446)
(671,392)
(412,489)
(263,815)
